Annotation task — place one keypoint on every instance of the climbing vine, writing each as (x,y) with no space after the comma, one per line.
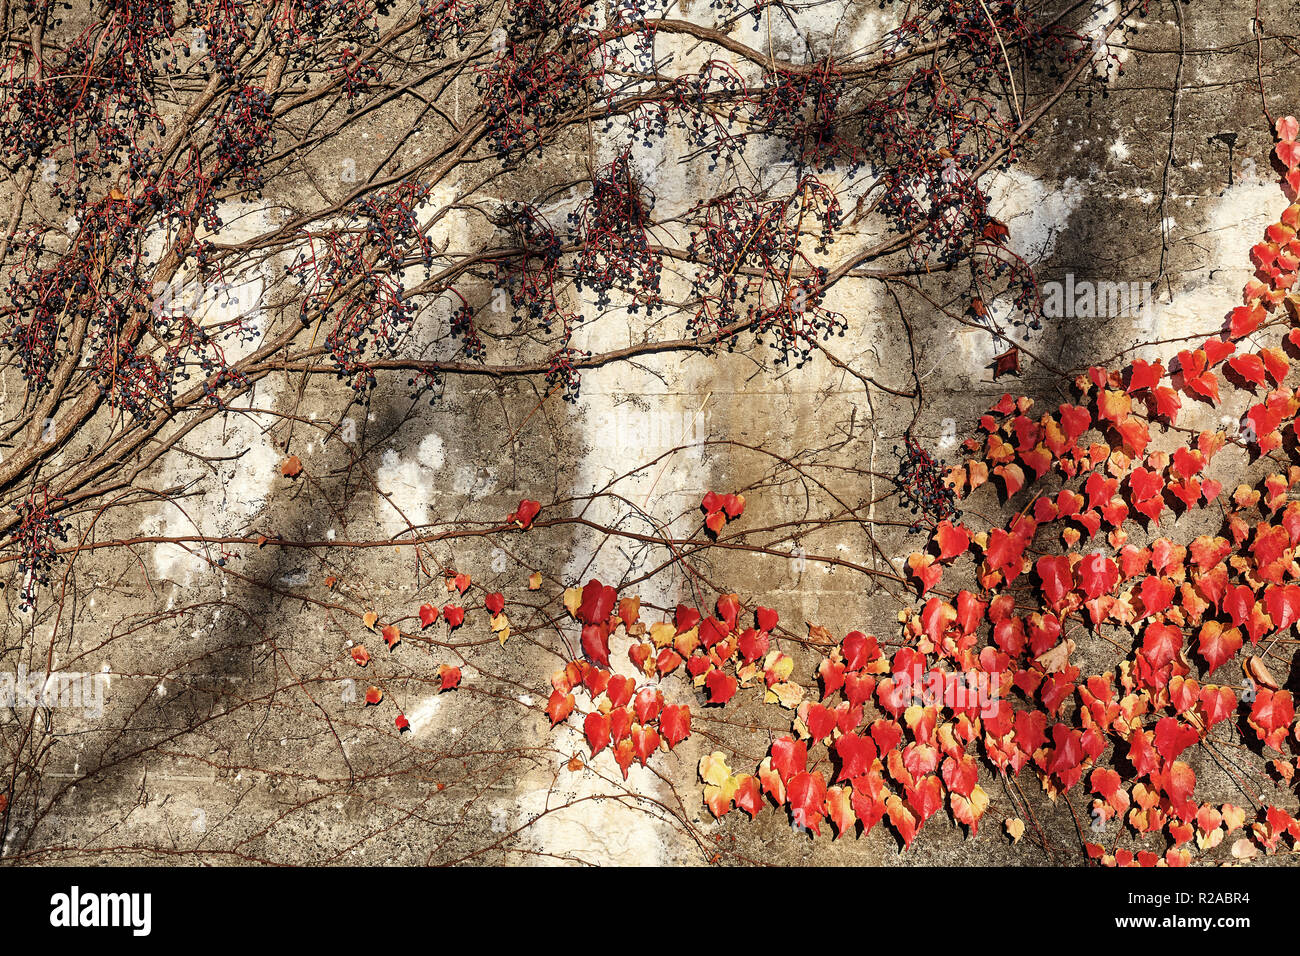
(980,682)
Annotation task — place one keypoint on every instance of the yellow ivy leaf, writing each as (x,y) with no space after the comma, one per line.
(714,769)
(1208,841)
(782,665)
(662,634)
(1243,849)
(786,694)
(718,798)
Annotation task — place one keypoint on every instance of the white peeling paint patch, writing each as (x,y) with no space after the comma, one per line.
(404,489)
(1238,220)
(1235,222)
(873,27)
(609,832)
(451,226)
(421,714)
(408,483)
(1112,53)
(974,349)
(1036,212)
(474,482)
(430,453)
(627,417)
(244,484)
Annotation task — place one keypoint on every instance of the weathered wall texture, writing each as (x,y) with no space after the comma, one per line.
(231,727)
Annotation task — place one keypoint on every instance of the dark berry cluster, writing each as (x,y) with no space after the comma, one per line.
(559,17)
(802,107)
(353,282)
(999,271)
(612,228)
(539,69)
(91,104)
(138,347)
(429,381)
(531,276)
(39,295)
(392,228)
(526,87)
(463,328)
(35,539)
(449,21)
(753,269)
(354,74)
(52,291)
(561,372)
(301,27)
(242,138)
(922,485)
(223,26)
(699,106)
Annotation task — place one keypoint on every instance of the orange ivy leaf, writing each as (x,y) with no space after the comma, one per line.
(1249,367)
(525,514)
(747,796)
(925,570)
(953,540)
(1097,574)
(839,807)
(1271,716)
(902,819)
(559,706)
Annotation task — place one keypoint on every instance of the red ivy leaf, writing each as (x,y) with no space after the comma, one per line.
(428,614)
(675,722)
(806,793)
(596,729)
(721,687)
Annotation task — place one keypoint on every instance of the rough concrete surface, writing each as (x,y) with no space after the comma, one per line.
(233,727)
